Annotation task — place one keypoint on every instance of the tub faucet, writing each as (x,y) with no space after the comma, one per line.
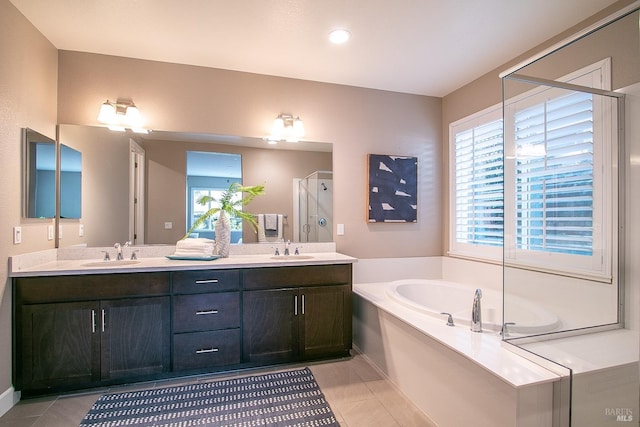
(476,312)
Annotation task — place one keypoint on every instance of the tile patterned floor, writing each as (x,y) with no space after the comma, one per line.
(357,393)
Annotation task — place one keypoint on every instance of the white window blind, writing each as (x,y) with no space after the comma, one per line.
(478,183)
(554,175)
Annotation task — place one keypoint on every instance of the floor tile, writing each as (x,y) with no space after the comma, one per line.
(67,411)
(400,408)
(367,413)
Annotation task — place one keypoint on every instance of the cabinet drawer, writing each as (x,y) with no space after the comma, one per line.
(205,349)
(281,277)
(33,290)
(206,312)
(190,282)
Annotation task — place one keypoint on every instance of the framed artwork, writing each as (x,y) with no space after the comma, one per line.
(393,188)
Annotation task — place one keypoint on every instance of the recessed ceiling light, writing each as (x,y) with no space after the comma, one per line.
(339,36)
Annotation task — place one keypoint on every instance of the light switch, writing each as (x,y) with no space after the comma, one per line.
(168,225)
(50,232)
(17,235)
(340,230)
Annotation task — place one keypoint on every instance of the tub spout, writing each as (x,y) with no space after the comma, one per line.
(476,312)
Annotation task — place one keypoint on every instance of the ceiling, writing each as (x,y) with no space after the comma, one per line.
(426,47)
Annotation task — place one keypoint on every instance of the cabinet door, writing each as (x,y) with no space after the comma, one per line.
(270,322)
(135,337)
(60,345)
(325,324)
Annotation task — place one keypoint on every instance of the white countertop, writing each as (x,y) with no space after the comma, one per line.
(484,349)
(54,262)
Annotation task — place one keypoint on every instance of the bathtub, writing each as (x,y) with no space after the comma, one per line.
(455,376)
(435,297)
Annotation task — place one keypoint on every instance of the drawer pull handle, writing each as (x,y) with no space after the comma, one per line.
(206,350)
(204,282)
(205,312)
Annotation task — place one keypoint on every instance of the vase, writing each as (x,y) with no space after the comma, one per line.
(223,235)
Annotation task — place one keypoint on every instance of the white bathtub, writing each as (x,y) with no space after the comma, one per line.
(434,297)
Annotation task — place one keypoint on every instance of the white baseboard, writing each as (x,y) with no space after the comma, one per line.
(8,399)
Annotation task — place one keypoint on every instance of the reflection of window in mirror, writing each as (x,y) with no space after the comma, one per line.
(70,182)
(210,174)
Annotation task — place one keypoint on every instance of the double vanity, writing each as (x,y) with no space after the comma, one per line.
(80,322)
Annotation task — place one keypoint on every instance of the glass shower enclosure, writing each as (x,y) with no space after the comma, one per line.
(572,242)
(315,207)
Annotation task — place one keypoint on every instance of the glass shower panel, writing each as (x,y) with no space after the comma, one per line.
(571,285)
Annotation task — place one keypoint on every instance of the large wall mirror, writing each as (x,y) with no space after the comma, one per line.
(134,187)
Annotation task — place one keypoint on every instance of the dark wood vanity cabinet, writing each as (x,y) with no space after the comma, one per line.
(296,313)
(99,337)
(80,331)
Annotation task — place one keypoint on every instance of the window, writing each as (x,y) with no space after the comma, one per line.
(556,178)
(211,174)
(477,175)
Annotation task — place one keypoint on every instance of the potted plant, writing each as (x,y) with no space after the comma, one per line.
(228,206)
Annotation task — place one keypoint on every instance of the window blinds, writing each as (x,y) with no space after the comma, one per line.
(554,175)
(479,185)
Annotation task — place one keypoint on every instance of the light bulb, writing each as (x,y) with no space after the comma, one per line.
(107,113)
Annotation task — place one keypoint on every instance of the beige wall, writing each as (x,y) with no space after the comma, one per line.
(28,76)
(276,169)
(357,121)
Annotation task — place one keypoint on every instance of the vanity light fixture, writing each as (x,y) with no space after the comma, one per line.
(286,128)
(121,115)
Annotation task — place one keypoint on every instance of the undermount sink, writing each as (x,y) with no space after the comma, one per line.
(291,257)
(111,263)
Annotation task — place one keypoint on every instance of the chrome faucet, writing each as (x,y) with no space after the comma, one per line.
(286,247)
(476,312)
(119,247)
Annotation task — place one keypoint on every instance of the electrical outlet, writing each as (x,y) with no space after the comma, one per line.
(59,232)
(81,230)
(17,235)
(168,225)
(340,230)
(50,232)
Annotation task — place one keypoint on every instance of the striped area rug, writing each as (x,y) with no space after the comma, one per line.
(290,398)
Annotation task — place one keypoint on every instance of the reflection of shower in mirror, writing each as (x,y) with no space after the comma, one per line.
(313,217)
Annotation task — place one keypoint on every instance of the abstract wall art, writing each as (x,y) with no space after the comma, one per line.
(393,188)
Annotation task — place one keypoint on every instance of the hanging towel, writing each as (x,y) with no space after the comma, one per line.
(270,225)
(267,232)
